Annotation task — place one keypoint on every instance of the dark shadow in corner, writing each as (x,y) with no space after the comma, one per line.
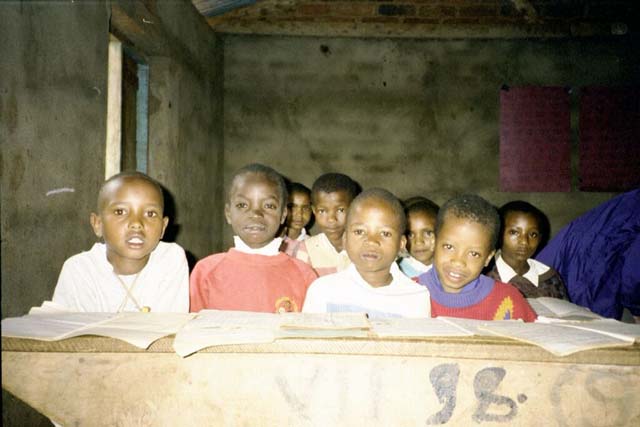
(174,227)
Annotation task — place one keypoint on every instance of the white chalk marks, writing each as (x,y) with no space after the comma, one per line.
(60,190)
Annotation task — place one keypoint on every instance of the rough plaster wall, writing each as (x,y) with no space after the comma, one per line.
(53,63)
(185,126)
(419,117)
(53,84)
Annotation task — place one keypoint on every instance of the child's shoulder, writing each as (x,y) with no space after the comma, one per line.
(301,266)
(507,289)
(340,279)
(209,262)
(168,249)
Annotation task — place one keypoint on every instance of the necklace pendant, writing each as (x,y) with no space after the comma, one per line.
(145,309)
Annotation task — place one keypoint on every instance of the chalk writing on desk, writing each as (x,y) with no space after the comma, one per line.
(444,379)
(601,388)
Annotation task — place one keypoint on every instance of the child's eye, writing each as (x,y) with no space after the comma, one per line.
(386,234)
(474,254)
(321,211)
(428,233)
(411,235)
(152,214)
(241,205)
(534,235)
(271,206)
(118,211)
(341,210)
(513,232)
(447,246)
(358,232)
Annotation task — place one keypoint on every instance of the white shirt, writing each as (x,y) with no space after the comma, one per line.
(348,291)
(270,249)
(536,269)
(303,235)
(87,282)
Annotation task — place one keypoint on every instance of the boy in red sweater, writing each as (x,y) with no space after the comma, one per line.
(254,275)
(467,229)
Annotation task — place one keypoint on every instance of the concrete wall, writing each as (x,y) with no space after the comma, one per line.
(53,68)
(53,63)
(419,117)
(185,121)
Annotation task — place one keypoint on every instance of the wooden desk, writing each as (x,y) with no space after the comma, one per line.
(93,381)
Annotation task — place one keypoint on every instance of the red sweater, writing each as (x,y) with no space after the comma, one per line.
(503,303)
(235,280)
(482,299)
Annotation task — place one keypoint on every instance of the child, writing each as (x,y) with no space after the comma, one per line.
(373,282)
(466,232)
(523,228)
(298,216)
(331,196)
(132,270)
(421,220)
(254,275)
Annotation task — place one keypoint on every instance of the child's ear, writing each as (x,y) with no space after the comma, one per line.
(285,211)
(488,260)
(165,222)
(227,213)
(403,242)
(96,224)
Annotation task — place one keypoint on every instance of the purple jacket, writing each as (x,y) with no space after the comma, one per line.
(598,256)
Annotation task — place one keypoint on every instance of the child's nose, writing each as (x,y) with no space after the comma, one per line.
(135,221)
(372,239)
(256,212)
(458,259)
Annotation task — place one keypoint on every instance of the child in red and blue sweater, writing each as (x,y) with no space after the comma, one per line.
(467,229)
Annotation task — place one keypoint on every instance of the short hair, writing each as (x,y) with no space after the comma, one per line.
(385,196)
(423,205)
(296,187)
(333,182)
(411,200)
(473,208)
(526,207)
(269,173)
(129,176)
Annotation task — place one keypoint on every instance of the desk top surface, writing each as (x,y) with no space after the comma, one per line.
(472,347)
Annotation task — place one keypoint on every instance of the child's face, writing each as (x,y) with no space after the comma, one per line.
(463,249)
(131,222)
(299,208)
(255,210)
(521,237)
(421,236)
(330,210)
(373,239)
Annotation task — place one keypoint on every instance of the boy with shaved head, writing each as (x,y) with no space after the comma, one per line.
(132,270)
(373,282)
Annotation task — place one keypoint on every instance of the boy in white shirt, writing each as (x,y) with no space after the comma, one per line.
(373,282)
(132,270)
